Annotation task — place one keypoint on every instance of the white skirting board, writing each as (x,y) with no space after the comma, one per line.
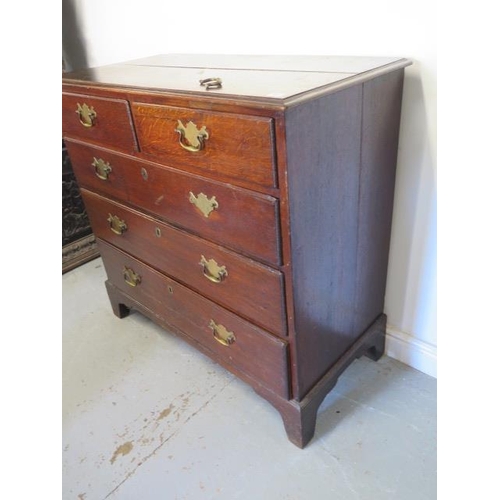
(411,351)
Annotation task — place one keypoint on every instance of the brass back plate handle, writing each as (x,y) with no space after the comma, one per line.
(204,204)
(131,277)
(86,114)
(191,138)
(117,225)
(102,168)
(221,334)
(212,271)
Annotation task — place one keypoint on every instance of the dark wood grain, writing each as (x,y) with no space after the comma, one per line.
(251,289)
(244,221)
(120,304)
(238,147)
(281,161)
(299,417)
(112,126)
(340,243)
(323,150)
(379,148)
(255,352)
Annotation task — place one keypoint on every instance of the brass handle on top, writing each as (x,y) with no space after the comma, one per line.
(221,334)
(131,277)
(117,225)
(211,83)
(212,271)
(101,168)
(86,114)
(190,137)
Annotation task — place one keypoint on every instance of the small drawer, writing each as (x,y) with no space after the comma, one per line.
(230,338)
(226,147)
(251,289)
(101,120)
(237,218)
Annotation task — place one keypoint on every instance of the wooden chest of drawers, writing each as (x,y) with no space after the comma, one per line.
(245,203)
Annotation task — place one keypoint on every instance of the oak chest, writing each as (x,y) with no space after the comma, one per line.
(245,203)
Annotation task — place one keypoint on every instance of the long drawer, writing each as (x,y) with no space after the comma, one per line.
(232,339)
(251,289)
(227,147)
(234,217)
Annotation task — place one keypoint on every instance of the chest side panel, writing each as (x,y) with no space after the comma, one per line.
(323,151)
(381,115)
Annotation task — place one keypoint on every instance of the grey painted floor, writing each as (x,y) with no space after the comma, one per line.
(146,417)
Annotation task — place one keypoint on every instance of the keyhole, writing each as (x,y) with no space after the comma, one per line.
(170,289)
(158,232)
(144,173)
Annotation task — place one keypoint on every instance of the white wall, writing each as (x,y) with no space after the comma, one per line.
(119,30)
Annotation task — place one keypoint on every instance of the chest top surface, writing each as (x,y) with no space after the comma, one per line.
(276,79)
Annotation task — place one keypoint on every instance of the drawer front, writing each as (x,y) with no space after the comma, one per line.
(223,214)
(252,290)
(233,340)
(96,119)
(97,169)
(231,148)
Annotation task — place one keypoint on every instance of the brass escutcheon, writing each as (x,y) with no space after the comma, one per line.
(117,225)
(190,137)
(131,277)
(212,271)
(86,114)
(205,205)
(101,168)
(221,334)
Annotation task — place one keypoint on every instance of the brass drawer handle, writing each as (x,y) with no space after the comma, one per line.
(205,205)
(221,334)
(86,114)
(211,83)
(190,137)
(212,271)
(117,225)
(131,277)
(101,168)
